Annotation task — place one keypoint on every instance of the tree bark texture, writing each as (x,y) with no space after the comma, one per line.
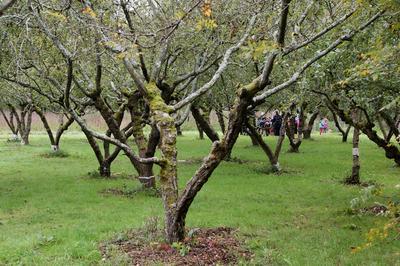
(54,140)
(291,128)
(344,132)
(10,122)
(354,178)
(24,121)
(221,120)
(273,160)
(204,124)
(308,127)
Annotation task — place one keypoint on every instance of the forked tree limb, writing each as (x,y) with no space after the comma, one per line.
(346,37)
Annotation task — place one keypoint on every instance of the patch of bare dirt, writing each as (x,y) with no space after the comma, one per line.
(125,191)
(215,246)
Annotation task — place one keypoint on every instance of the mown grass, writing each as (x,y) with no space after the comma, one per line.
(52,213)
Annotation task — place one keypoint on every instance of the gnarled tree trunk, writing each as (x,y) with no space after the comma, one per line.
(24,120)
(221,120)
(344,132)
(54,140)
(291,128)
(251,121)
(10,123)
(273,156)
(308,127)
(146,175)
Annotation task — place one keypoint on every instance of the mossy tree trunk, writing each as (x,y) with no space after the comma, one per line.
(113,120)
(146,175)
(175,206)
(161,113)
(219,151)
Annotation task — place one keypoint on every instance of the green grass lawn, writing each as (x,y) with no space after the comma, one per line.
(51,213)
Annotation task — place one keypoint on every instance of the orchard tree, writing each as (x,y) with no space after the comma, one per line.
(18,103)
(159,46)
(367,82)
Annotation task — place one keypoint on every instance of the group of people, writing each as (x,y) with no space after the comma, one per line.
(323,125)
(266,124)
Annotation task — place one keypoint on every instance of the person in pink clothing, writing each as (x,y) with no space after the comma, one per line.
(326,125)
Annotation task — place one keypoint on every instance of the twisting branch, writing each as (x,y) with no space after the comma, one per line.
(132,30)
(97,135)
(67,95)
(159,62)
(305,13)
(263,80)
(330,48)
(223,65)
(43,26)
(293,48)
(29,86)
(196,72)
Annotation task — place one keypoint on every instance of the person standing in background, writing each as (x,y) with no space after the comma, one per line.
(321,126)
(276,123)
(326,125)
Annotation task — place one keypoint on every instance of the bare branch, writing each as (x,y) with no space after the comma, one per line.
(104,137)
(310,62)
(195,72)
(43,26)
(290,49)
(223,65)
